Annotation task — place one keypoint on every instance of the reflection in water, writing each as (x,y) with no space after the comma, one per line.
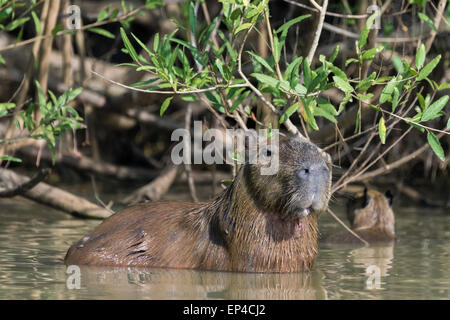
(378,256)
(137,283)
(34,239)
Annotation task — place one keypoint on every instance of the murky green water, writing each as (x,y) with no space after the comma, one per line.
(34,239)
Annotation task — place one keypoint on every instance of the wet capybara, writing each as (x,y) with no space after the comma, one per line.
(371,217)
(260,223)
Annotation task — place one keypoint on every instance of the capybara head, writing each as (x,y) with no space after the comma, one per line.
(300,186)
(372,210)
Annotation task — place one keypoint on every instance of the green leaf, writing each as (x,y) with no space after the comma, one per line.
(262,61)
(74,93)
(342,84)
(395,98)
(292,71)
(388,90)
(37,23)
(369,54)
(448,124)
(420,56)
(128,45)
(289,111)
(427,20)
(2,60)
(103,14)
(59,27)
(189,97)
(192,18)
(9,158)
(151,4)
(327,106)
(276,49)
(434,143)
(366,30)
(432,111)
(114,14)
(365,97)
(41,96)
(242,27)
(156,42)
(428,68)
(300,89)
(398,64)
(7,105)
(365,84)
(321,112)
(347,98)
(351,60)
(444,86)
(102,32)
(236,14)
(358,117)
(382,130)
(290,23)
(165,105)
(307,76)
(194,51)
(16,23)
(265,79)
(421,101)
(239,100)
(309,105)
(143,46)
(334,54)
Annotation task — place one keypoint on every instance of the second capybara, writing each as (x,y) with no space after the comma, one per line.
(371,217)
(260,223)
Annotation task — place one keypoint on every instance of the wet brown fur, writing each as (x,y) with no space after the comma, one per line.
(243,229)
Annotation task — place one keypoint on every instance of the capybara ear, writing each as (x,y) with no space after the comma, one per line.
(366,198)
(389,197)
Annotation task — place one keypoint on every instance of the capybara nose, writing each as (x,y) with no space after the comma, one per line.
(313,180)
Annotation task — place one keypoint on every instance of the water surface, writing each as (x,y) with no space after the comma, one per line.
(34,239)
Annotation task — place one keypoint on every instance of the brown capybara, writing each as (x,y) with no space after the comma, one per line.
(371,217)
(260,223)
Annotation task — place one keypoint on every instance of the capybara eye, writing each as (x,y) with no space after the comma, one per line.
(266,152)
(303,173)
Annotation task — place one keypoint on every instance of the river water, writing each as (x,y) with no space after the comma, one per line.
(34,239)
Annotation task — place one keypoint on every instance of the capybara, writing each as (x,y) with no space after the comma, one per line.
(260,223)
(371,217)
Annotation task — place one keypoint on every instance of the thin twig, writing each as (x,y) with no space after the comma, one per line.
(354,35)
(170,92)
(318,31)
(346,227)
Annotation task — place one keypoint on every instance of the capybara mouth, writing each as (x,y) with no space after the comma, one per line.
(303,213)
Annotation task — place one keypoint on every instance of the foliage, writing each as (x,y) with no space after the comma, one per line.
(187,62)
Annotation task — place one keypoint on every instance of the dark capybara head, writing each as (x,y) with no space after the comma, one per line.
(372,209)
(299,186)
